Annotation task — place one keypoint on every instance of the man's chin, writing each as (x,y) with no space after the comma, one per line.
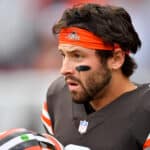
(78,101)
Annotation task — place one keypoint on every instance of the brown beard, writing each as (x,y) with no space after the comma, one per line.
(93,87)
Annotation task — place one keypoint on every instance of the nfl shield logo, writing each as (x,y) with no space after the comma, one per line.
(83,126)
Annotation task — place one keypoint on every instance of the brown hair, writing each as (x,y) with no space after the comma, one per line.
(112,24)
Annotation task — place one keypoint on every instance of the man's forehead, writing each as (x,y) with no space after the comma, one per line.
(70,47)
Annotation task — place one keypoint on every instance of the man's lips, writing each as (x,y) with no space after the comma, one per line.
(72,84)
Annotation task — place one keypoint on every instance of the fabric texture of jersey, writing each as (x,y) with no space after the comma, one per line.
(124,124)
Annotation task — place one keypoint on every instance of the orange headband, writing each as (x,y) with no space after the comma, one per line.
(82,37)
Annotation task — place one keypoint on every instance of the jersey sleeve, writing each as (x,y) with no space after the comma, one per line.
(141,123)
(146,145)
(50,105)
(46,119)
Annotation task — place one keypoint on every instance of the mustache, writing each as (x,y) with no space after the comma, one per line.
(72,78)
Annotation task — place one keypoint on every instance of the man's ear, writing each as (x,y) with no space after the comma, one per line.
(117,60)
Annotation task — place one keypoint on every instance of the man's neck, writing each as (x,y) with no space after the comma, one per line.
(115,89)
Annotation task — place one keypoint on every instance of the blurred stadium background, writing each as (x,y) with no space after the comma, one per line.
(28,54)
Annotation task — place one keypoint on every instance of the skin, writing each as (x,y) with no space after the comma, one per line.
(99,86)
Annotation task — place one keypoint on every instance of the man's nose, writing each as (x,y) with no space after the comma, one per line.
(66,68)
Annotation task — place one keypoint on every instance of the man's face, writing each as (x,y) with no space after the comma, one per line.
(84,86)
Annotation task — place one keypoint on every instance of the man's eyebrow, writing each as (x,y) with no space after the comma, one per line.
(69,51)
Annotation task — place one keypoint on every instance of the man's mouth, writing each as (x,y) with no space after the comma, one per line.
(72,85)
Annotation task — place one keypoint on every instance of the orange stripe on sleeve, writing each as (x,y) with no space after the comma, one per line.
(58,146)
(146,144)
(45,117)
(45,106)
(46,120)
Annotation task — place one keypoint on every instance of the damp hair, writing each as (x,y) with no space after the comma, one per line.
(111,23)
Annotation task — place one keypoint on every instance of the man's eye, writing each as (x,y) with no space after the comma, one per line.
(77,56)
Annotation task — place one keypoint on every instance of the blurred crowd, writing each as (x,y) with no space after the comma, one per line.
(27,45)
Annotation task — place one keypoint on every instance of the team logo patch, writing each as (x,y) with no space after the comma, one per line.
(73,36)
(83,126)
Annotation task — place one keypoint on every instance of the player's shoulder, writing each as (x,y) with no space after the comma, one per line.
(57,93)
(145,96)
(142,95)
(57,85)
(140,119)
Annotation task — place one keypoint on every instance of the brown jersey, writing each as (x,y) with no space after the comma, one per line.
(124,124)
